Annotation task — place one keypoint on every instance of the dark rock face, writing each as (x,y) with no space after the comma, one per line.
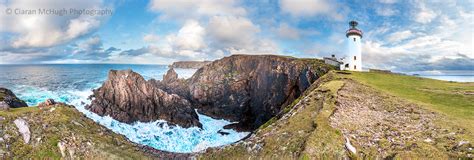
(189,64)
(251,89)
(128,97)
(9,100)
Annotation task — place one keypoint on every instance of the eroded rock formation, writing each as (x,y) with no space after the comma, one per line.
(252,89)
(248,89)
(9,100)
(128,97)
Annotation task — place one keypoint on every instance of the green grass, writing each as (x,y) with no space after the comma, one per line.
(456,100)
(65,124)
(325,142)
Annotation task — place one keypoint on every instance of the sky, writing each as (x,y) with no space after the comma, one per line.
(412,36)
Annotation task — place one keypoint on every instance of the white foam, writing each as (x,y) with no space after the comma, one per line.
(157,134)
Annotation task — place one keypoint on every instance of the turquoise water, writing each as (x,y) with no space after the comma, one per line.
(72,84)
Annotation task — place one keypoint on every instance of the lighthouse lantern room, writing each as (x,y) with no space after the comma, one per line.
(353,60)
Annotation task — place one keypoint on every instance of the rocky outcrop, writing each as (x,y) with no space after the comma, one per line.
(23,128)
(248,89)
(172,84)
(128,97)
(9,100)
(189,64)
(252,89)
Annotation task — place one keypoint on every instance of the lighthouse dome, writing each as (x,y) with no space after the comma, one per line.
(353,30)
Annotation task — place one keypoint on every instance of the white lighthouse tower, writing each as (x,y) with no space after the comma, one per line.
(353,59)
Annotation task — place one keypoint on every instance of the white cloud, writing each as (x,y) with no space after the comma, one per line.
(399,36)
(197,8)
(424,15)
(309,8)
(151,38)
(232,32)
(189,37)
(288,32)
(47,30)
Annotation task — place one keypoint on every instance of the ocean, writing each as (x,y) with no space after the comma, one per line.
(73,83)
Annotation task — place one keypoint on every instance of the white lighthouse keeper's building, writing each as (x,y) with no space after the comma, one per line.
(353,58)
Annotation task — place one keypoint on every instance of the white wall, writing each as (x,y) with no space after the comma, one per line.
(353,49)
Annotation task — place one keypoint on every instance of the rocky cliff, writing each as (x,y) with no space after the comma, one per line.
(128,97)
(189,64)
(248,89)
(339,117)
(9,100)
(252,89)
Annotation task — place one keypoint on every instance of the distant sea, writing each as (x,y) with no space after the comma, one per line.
(454,78)
(73,83)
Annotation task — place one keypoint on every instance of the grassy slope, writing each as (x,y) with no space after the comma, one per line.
(304,131)
(81,135)
(456,100)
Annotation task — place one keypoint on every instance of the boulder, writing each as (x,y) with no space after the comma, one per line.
(47,102)
(128,97)
(9,100)
(23,128)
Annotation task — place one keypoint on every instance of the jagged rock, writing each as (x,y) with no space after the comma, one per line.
(128,97)
(170,76)
(251,89)
(9,100)
(23,128)
(173,85)
(47,102)
(50,102)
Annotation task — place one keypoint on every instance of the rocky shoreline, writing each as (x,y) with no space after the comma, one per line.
(243,88)
(9,100)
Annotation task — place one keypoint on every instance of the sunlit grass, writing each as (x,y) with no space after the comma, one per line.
(456,100)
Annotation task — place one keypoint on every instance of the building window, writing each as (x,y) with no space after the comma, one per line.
(355,67)
(354,39)
(355,58)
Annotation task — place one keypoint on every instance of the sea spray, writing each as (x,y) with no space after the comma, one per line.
(157,134)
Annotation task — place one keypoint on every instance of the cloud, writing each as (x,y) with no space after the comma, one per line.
(185,9)
(424,15)
(232,32)
(89,49)
(189,37)
(47,30)
(286,31)
(309,8)
(151,38)
(399,36)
